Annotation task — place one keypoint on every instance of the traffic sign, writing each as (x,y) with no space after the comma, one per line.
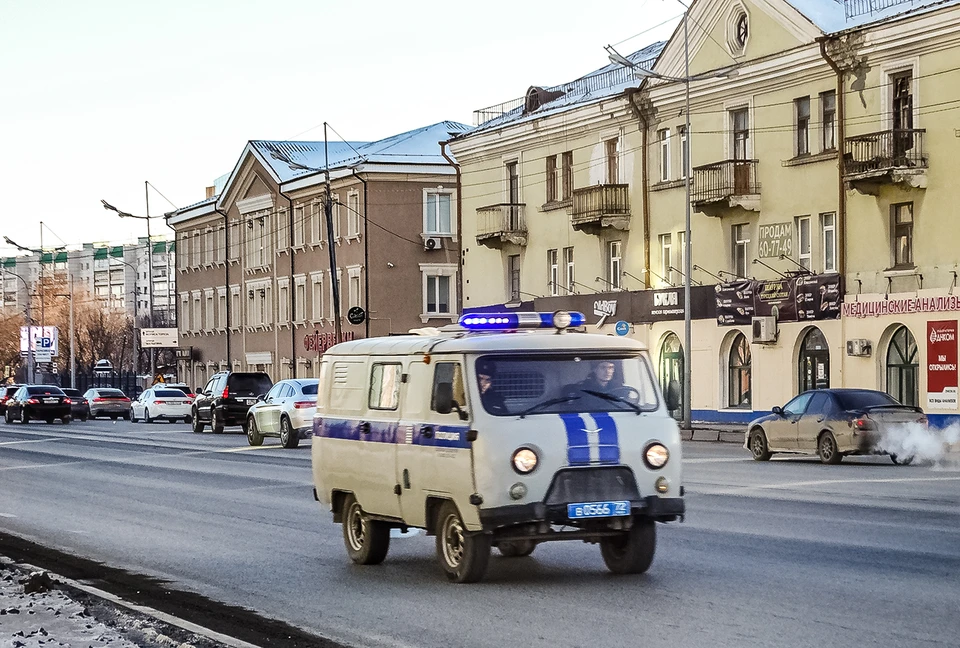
(623,327)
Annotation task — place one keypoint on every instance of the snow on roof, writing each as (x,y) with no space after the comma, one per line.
(832,16)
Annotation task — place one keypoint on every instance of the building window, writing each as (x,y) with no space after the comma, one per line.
(513,277)
(663,137)
(335,215)
(666,258)
(209,320)
(903,367)
(234,240)
(814,361)
(283,230)
(184,311)
(804,256)
(439,284)
(551,178)
(612,147)
(235,303)
(316,291)
(283,302)
(197,315)
(680,268)
(353,215)
(300,299)
(354,291)
(436,213)
(902,226)
(828,120)
(684,152)
(615,265)
(802,109)
(222,309)
(740,122)
(742,31)
(741,250)
(828,226)
(438,295)
(567,188)
(738,376)
(316,223)
(568,270)
(553,273)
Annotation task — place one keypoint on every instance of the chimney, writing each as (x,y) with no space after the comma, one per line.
(210,192)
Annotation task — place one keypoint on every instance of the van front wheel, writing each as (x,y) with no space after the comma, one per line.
(367,540)
(463,554)
(631,552)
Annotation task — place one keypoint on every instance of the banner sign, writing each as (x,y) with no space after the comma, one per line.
(908,306)
(43,338)
(669,305)
(792,299)
(942,365)
(775,239)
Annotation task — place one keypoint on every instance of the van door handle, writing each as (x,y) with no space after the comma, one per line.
(821,419)
(426,431)
(365,428)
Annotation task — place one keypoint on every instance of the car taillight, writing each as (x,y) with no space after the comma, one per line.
(98,400)
(226,392)
(159,402)
(304,404)
(863,423)
(67,401)
(32,401)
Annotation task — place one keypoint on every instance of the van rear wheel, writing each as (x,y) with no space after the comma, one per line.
(367,540)
(463,554)
(631,552)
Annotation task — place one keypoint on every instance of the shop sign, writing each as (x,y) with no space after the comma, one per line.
(669,304)
(605,308)
(907,306)
(734,302)
(320,342)
(775,239)
(791,299)
(942,365)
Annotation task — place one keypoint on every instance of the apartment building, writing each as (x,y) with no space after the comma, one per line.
(257,260)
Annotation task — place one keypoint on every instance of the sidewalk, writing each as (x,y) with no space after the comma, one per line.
(723,432)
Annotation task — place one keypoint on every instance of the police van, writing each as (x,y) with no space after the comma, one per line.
(504,431)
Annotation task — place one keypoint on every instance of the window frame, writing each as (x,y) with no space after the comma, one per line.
(829,249)
(569,269)
(896,227)
(553,272)
(612,154)
(666,257)
(805,259)
(615,263)
(828,121)
(740,237)
(398,377)
(432,225)
(801,110)
(566,189)
(551,181)
(663,137)
(513,277)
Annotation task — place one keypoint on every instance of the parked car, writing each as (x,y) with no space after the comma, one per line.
(45,402)
(103,367)
(105,401)
(286,412)
(226,399)
(159,402)
(5,393)
(831,423)
(191,395)
(79,407)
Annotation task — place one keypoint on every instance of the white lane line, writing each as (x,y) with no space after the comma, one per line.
(9,443)
(245,448)
(824,482)
(50,465)
(7,515)
(716,460)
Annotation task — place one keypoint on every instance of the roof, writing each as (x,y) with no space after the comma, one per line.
(527,341)
(608,81)
(832,16)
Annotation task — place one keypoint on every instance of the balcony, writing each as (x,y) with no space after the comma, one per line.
(885,157)
(600,206)
(724,185)
(501,223)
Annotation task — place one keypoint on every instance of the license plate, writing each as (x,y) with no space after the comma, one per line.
(247,401)
(598,509)
(50,400)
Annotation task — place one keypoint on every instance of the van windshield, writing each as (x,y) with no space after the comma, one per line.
(550,384)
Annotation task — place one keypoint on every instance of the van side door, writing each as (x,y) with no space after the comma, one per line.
(377,433)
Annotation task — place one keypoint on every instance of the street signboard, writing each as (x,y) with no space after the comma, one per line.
(42,356)
(159,338)
(775,239)
(44,338)
(622,328)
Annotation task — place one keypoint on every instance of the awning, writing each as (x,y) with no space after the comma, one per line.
(100,254)
(61,257)
(10,262)
(116,251)
(160,248)
(46,257)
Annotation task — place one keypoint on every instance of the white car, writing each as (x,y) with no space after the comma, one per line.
(161,403)
(286,411)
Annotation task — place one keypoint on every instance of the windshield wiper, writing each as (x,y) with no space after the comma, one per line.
(611,397)
(548,403)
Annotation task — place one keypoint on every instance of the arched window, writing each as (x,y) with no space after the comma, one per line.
(814,361)
(671,365)
(903,367)
(738,374)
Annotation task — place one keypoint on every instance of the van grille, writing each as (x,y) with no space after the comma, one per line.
(592,485)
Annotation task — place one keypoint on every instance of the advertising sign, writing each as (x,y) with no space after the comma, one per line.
(668,304)
(778,298)
(734,302)
(942,365)
(158,338)
(43,338)
(775,239)
(792,299)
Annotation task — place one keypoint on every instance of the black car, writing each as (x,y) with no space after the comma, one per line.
(227,397)
(45,402)
(79,406)
(5,393)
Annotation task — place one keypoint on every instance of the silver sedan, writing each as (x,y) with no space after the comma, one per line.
(286,411)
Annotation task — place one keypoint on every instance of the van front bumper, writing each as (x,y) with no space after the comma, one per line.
(662,509)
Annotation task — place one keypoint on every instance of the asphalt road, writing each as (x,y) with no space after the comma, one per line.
(786,553)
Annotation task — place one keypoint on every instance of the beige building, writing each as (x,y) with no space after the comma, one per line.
(255,288)
(820,242)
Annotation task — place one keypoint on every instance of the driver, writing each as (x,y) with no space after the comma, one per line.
(601,379)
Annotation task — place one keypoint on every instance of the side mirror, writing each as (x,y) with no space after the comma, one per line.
(261,398)
(443,398)
(778,410)
(673,396)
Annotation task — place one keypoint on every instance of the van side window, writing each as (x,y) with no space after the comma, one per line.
(385,386)
(449,373)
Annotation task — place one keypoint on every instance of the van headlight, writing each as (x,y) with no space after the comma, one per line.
(524,460)
(656,456)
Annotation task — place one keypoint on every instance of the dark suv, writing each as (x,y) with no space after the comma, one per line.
(226,397)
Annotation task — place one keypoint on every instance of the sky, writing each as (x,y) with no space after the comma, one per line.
(99,97)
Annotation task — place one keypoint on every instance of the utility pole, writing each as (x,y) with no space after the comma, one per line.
(42,314)
(328,209)
(146,190)
(73,356)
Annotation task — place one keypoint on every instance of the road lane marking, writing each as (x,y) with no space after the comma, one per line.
(8,443)
(245,448)
(49,465)
(705,460)
(7,515)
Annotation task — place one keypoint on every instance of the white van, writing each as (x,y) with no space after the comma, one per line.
(487,434)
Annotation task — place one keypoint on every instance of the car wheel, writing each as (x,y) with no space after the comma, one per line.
(126,416)
(288,436)
(66,419)
(113,417)
(216,422)
(146,416)
(197,424)
(631,552)
(49,420)
(901,461)
(254,437)
(24,417)
(367,540)
(827,449)
(758,445)
(7,417)
(516,548)
(133,417)
(187,419)
(463,554)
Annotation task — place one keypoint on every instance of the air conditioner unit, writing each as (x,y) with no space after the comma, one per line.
(433,243)
(764,330)
(859,348)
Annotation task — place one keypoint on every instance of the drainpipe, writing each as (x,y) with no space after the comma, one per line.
(366,257)
(644,190)
(226,279)
(291,286)
(841,132)
(456,167)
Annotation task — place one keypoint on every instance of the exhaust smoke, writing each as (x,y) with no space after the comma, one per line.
(940,447)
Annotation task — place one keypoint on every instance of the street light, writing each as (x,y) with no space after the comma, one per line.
(727,73)
(29,376)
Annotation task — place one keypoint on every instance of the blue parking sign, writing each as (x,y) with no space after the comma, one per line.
(622,327)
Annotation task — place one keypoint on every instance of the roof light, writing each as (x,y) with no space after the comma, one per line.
(514,321)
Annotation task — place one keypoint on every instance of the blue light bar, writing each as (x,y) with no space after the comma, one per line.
(513,321)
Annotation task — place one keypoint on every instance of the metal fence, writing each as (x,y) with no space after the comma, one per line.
(501,219)
(592,203)
(884,150)
(722,180)
(853,8)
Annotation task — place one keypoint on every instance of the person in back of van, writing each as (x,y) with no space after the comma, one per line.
(492,399)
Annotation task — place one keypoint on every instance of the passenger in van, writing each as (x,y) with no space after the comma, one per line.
(492,399)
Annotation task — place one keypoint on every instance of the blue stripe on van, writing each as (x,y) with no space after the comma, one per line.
(609,450)
(578,447)
(444,436)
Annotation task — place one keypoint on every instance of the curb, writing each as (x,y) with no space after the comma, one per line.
(717,435)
